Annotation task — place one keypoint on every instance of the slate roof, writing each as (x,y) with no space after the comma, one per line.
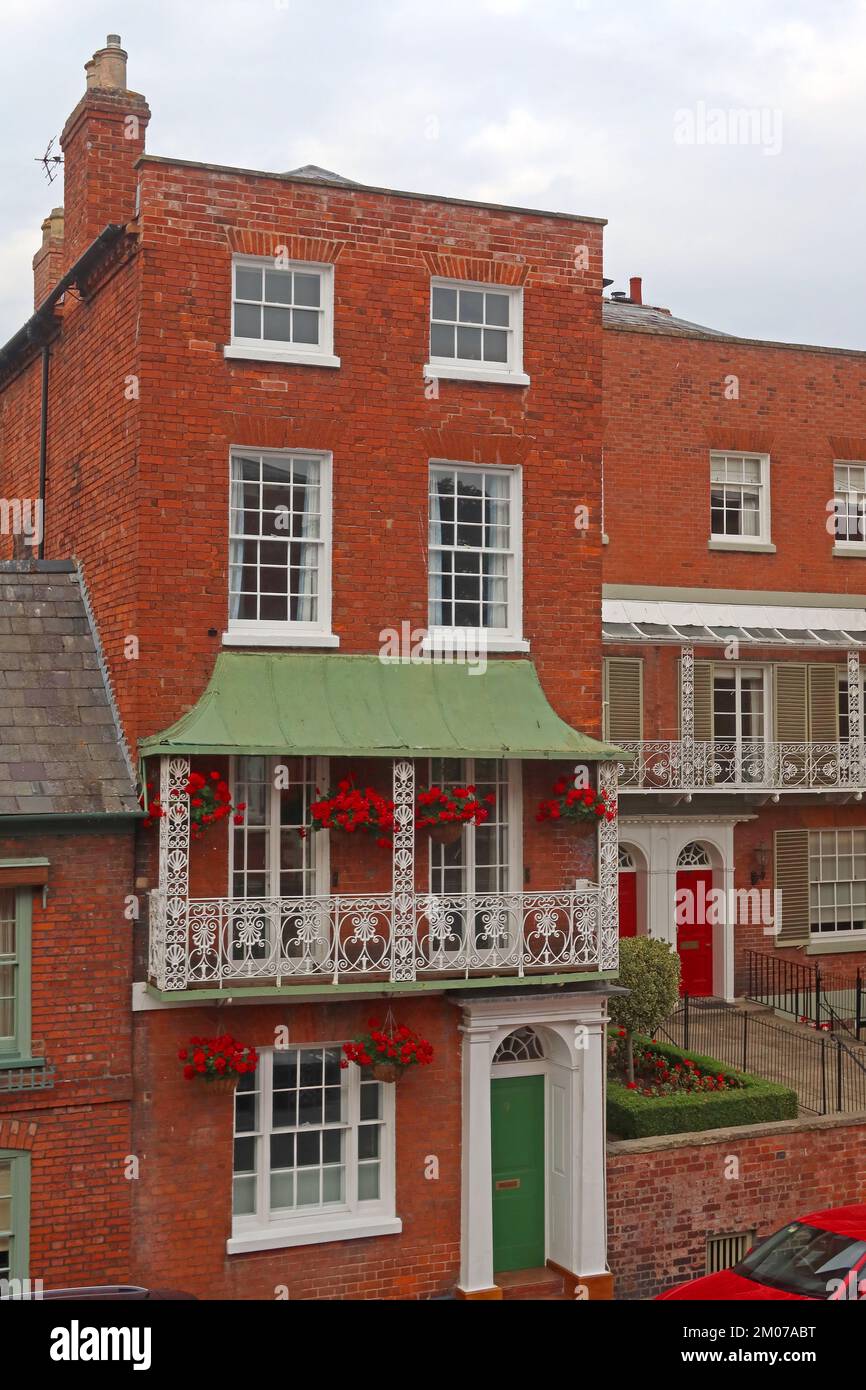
(61,750)
(644,318)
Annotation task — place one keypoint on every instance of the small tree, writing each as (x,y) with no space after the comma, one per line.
(650,970)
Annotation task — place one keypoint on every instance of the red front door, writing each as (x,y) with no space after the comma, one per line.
(695,936)
(628,903)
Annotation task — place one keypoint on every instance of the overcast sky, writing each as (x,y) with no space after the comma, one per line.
(723,139)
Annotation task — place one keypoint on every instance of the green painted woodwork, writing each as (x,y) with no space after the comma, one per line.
(517,1122)
(334,705)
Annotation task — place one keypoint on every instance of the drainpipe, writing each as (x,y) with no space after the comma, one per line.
(43,450)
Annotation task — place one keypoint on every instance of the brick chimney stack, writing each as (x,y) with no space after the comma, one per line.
(48,261)
(635,290)
(101,141)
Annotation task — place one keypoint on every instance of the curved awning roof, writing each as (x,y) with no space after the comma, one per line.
(334,705)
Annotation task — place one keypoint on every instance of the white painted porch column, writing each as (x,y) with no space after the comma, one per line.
(588,1122)
(476,1221)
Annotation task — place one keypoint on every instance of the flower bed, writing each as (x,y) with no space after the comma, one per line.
(678,1092)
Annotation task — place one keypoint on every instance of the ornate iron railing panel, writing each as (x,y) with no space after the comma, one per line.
(718,765)
(335,938)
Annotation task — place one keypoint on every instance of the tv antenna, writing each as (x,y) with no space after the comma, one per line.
(50,162)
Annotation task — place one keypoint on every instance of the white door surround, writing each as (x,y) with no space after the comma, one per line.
(660,840)
(571,1029)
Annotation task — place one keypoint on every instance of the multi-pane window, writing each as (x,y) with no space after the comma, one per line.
(473,549)
(474,326)
(483,861)
(837,881)
(849,480)
(739,500)
(15,906)
(311,1138)
(279,571)
(284,307)
(14,1214)
(269,858)
(739,723)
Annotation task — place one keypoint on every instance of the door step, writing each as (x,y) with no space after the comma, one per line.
(540,1283)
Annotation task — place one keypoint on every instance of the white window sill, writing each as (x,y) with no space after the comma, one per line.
(850,548)
(310,1232)
(740,543)
(821,946)
(279,637)
(472,644)
(265,353)
(432,372)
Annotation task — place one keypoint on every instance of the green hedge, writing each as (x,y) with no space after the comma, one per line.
(632,1116)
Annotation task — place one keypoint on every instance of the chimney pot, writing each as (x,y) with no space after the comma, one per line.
(635,289)
(106,70)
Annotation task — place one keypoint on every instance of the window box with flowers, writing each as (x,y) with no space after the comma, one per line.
(571,803)
(442,813)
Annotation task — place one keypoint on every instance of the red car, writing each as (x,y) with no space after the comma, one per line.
(821,1256)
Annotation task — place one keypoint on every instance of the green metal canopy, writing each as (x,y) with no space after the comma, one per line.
(335,705)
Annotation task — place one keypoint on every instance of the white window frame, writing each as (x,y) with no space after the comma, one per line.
(320,840)
(251,632)
(478,640)
(351,1220)
(270,350)
(842,495)
(844,935)
(509,373)
(742,542)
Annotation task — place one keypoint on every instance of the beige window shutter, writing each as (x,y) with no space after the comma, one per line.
(792,884)
(791,703)
(703,700)
(823,702)
(623,698)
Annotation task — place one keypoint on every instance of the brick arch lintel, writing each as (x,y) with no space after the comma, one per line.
(286,431)
(244,242)
(485,270)
(17,1134)
(846,446)
(743,439)
(462,446)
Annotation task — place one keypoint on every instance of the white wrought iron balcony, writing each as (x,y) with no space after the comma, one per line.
(664,765)
(334,939)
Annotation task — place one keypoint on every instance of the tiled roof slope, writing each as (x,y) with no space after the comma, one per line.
(643,318)
(61,750)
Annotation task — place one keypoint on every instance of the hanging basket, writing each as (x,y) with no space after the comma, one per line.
(221,1085)
(447,834)
(389,1072)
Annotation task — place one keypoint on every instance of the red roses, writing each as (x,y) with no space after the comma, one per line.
(436,806)
(350,809)
(217,1057)
(576,803)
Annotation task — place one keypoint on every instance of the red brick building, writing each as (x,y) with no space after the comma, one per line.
(734,625)
(68,808)
(335,482)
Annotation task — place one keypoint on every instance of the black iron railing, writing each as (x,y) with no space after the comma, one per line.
(828,1075)
(833,999)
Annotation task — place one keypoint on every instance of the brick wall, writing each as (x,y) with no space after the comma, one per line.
(183,1137)
(79,1132)
(665,409)
(666,1196)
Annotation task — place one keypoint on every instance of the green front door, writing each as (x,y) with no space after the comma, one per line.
(517,1121)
